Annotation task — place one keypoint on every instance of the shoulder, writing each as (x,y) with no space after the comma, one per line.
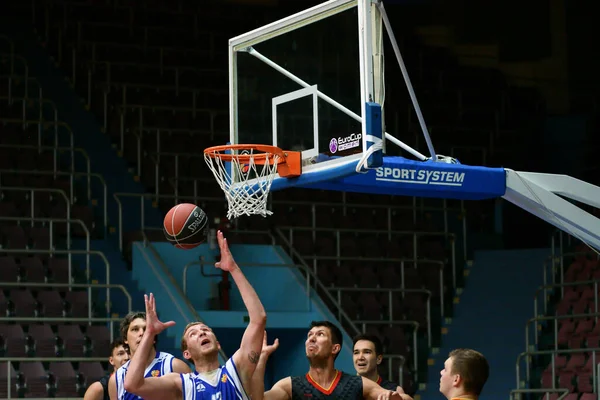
(95,391)
(348,377)
(180,366)
(285,383)
(161,355)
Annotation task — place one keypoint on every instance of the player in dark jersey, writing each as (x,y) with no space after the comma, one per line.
(99,389)
(465,373)
(367,355)
(323,380)
(199,344)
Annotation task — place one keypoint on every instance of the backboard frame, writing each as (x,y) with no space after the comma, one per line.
(244,42)
(371,18)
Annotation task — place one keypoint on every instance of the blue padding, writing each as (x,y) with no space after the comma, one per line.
(400,176)
(375,129)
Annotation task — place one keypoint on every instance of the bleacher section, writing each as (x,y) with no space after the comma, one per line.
(565,353)
(45,206)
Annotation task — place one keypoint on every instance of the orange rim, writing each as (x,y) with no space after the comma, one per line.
(289,163)
(268,153)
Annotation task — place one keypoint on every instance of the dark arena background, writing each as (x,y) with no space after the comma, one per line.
(106,107)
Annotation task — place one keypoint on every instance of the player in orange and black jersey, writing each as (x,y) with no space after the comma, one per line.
(323,380)
(367,355)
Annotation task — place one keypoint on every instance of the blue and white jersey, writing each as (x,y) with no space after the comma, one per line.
(226,385)
(161,365)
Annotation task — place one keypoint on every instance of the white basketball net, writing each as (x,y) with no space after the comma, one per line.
(249,193)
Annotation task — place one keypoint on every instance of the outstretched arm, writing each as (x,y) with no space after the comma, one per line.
(247,356)
(148,388)
(372,391)
(257,387)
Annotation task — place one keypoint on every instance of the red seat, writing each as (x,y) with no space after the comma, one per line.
(565,380)
(584,383)
(576,362)
(584,327)
(566,330)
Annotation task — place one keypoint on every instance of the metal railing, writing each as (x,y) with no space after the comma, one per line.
(390,292)
(72,176)
(32,191)
(52,224)
(141,132)
(344,204)
(56,151)
(70,253)
(71,286)
(390,365)
(41,124)
(543,289)
(391,234)
(553,353)
(391,357)
(13,58)
(9,360)
(555,320)
(312,281)
(141,109)
(27,101)
(401,262)
(516,394)
(15,79)
(550,267)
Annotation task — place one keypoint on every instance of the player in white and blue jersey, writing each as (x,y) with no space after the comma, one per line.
(157,363)
(199,344)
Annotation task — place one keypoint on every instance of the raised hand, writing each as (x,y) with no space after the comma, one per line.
(153,325)
(267,349)
(399,394)
(227,262)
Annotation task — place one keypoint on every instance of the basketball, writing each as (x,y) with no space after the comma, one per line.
(186,226)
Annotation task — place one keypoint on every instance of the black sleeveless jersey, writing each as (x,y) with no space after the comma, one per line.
(389,385)
(104,382)
(343,387)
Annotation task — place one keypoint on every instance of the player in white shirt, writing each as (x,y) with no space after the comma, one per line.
(156,364)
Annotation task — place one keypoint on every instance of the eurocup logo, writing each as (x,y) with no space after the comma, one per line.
(333,145)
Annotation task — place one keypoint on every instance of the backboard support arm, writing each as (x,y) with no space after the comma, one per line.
(538,194)
(407,81)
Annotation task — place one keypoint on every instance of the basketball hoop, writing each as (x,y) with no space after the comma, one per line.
(245,173)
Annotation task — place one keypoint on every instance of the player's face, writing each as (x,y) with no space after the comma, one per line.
(364,357)
(319,343)
(118,357)
(136,330)
(446,378)
(201,341)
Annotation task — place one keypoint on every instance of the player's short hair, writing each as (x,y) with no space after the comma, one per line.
(371,338)
(183,341)
(336,333)
(472,367)
(124,327)
(116,343)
